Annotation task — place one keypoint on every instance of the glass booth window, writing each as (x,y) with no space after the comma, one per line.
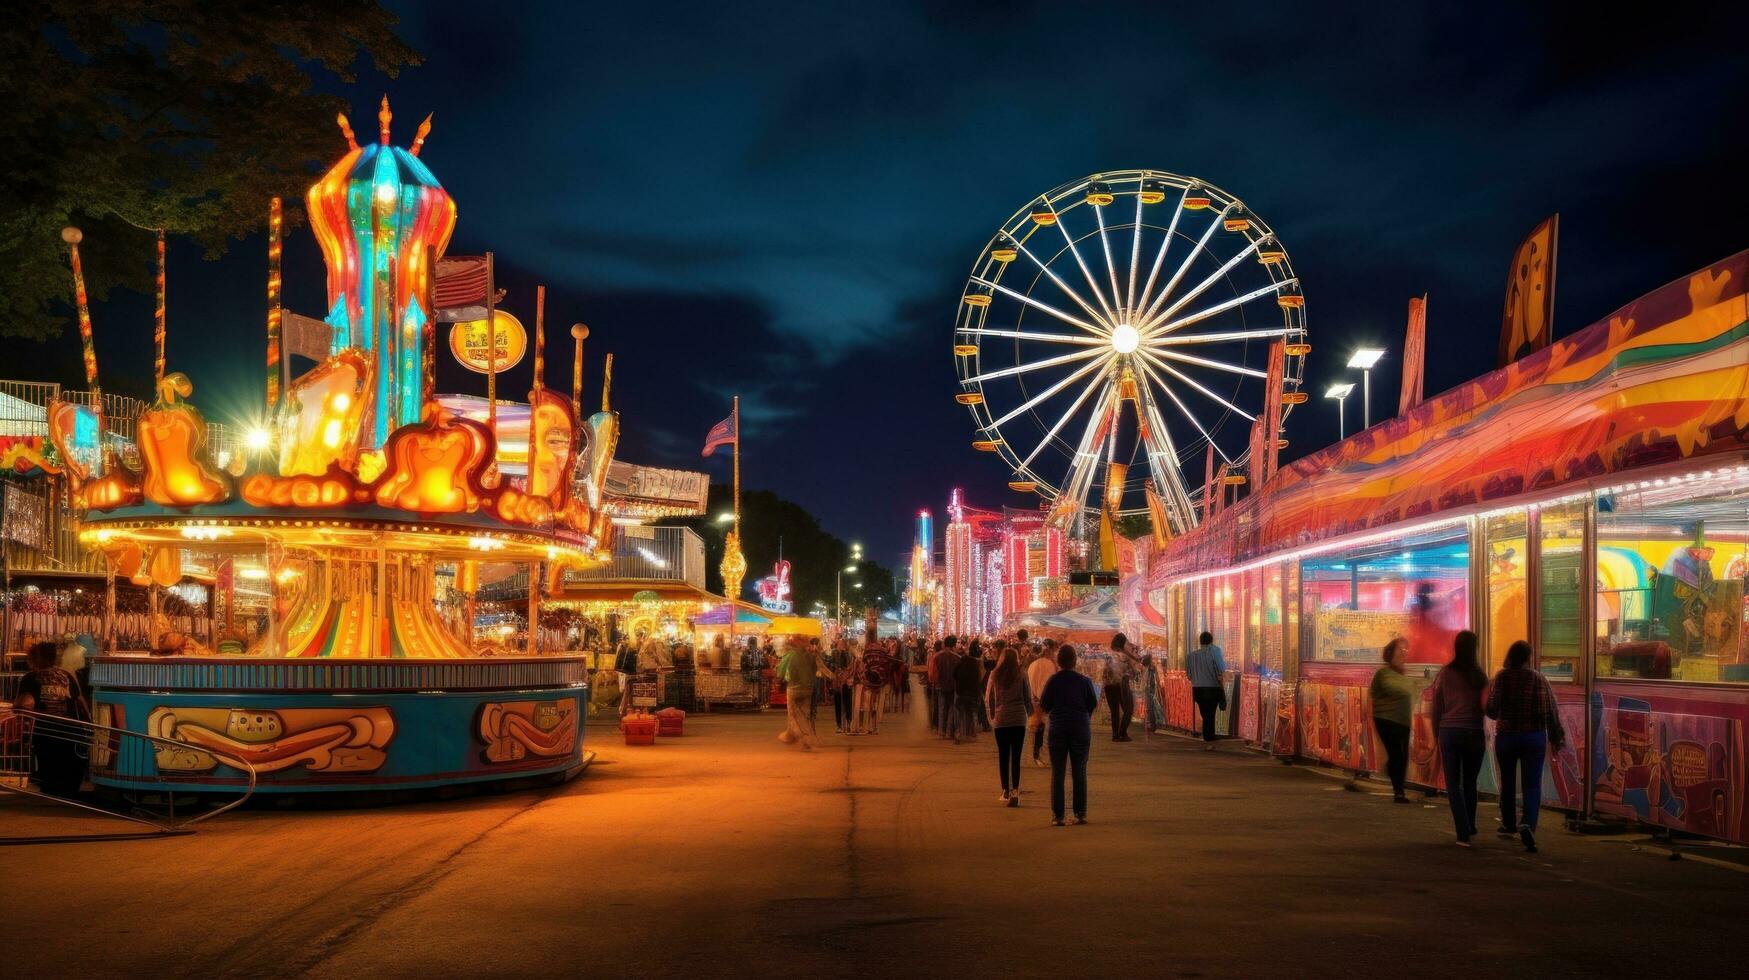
(1508,597)
(1671,566)
(1560,543)
(1355,602)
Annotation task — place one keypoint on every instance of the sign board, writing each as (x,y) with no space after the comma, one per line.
(645,692)
(467,341)
(774,588)
(671,492)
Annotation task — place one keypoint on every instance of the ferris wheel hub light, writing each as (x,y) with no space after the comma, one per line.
(1125,338)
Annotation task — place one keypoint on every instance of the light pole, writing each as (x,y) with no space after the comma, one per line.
(855,561)
(1364,359)
(1340,393)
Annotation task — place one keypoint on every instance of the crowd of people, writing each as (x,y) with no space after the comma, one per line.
(1013,685)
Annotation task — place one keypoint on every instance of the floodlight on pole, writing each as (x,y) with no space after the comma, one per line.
(1340,393)
(1364,359)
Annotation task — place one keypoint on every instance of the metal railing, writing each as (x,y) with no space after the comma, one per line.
(54,748)
(650,554)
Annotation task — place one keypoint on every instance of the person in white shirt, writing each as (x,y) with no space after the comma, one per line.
(1037,673)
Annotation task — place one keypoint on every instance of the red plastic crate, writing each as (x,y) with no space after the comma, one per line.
(639,729)
(670,721)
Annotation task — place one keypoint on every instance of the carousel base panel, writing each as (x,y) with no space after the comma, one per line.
(337,727)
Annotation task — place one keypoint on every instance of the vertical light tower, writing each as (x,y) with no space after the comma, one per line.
(1364,359)
(375,214)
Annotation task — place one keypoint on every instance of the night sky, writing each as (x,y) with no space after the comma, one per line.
(784,200)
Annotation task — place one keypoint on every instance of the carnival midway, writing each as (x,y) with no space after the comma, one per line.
(380,588)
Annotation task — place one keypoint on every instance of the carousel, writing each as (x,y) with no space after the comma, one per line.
(363,519)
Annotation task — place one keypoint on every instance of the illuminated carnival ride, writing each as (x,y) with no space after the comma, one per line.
(1137,287)
(366,518)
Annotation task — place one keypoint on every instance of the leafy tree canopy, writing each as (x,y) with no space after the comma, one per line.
(127,116)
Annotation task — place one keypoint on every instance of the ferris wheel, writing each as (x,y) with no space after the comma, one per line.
(1140,288)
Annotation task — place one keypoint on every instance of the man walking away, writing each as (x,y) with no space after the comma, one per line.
(968,685)
(1038,673)
(932,685)
(1069,700)
(944,690)
(1207,673)
(801,665)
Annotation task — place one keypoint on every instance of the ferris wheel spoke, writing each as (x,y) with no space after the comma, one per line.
(1049,338)
(1180,375)
(1184,266)
(1219,337)
(1165,243)
(1072,294)
(1217,365)
(1184,410)
(1038,399)
(1110,267)
(1168,326)
(1097,385)
(1086,273)
(1040,305)
(1201,287)
(1038,365)
(1135,252)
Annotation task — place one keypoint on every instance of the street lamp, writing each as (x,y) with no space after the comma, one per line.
(1340,393)
(725,517)
(1364,359)
(848,568)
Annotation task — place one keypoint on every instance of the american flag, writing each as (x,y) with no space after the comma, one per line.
(461,288)
(721,434)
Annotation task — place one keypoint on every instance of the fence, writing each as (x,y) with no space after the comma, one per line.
(650,554)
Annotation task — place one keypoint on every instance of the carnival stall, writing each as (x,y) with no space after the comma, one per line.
(1589,497)
(365,513)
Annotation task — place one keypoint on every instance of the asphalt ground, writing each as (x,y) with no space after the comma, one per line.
(726,853)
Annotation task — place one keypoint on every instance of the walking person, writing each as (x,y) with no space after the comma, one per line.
(946,662)
(1207,673)
(842,681)
(1038,673)
(1120,696)
(1457,717)
(1527,726)
(1393,712)
(801,665)
(1155,718)
(968,685)
(625,664)
(1069,699)
(1008,701)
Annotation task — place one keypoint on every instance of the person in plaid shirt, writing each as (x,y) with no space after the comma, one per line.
(1523,706)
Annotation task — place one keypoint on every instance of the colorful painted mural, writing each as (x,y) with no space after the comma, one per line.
(1676,770)
(515,730)
(337,740)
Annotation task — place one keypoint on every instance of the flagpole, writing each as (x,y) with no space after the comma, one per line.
(735,413)
(491,372)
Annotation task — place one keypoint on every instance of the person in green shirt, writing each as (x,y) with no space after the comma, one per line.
(798,669)
(1393,711)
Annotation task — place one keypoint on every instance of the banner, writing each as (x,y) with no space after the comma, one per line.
(1414,356)
(1272,411)
(305,336)
(1530,293)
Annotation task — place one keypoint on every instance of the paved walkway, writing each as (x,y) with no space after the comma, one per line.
(725,853)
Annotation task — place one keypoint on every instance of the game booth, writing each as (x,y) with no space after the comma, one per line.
(363,515)
(1592,498)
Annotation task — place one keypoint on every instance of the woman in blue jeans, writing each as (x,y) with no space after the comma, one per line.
(1457,717)
(1527,724)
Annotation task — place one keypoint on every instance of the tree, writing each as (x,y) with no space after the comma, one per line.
(815,556)
(128,116)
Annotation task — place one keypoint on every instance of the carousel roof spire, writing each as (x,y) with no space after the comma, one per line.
(419,137)
(346,130)
(383,117)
